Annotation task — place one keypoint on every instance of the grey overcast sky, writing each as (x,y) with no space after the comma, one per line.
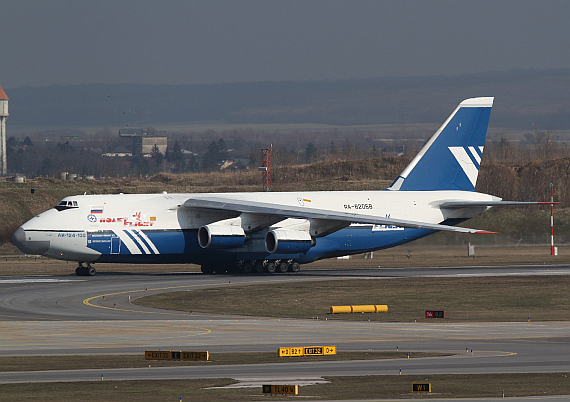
(45,42)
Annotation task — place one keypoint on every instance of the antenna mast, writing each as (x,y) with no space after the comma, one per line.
(266,168)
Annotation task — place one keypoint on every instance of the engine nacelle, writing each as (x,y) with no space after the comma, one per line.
(220,236)
(283,241)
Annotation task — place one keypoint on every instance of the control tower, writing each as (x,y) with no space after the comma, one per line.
(3,117)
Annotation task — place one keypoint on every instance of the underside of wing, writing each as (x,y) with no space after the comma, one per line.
(287,211)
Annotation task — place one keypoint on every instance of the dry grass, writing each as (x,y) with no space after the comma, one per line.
(365,387)
(542,298)
(443,386)
(120,391)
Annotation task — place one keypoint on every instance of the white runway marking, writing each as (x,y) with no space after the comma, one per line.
(39,280)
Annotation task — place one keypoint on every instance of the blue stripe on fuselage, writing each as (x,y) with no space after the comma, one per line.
(181,246)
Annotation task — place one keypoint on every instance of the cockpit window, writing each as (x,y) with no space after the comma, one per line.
(64,204)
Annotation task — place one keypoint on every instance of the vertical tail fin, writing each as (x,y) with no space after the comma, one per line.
(450,159)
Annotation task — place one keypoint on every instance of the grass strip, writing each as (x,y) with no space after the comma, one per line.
(443,386)
(83,362)
(384,387)
(473,299)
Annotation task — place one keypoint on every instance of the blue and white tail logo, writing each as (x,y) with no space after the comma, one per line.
(469,158)
(450,160)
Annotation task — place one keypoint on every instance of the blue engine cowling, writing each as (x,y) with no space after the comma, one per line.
(283,241)
(220,236)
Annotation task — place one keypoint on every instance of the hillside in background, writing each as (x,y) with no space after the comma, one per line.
(524,99)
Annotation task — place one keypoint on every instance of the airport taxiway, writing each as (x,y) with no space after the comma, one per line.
(68,315)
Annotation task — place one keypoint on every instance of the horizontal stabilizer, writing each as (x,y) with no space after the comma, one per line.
(288,211)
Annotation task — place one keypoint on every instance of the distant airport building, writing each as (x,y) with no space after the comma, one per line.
(133,132)
(3,117)
(144,140)
(145,145)
(393,151)
(120,152)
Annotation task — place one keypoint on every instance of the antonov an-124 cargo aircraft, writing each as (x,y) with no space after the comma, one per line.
(274,231)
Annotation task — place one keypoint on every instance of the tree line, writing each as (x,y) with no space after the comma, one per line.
(511,169)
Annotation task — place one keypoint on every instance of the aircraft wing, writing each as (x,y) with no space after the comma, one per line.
(288,211)
(467,204)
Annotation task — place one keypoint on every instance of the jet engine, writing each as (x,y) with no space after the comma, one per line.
(220,236)
(288,241)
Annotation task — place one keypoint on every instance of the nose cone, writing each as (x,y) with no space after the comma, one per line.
(29,246)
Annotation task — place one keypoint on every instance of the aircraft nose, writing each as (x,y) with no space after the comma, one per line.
(29,246)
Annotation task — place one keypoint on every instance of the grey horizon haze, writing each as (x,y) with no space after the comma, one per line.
(67,42)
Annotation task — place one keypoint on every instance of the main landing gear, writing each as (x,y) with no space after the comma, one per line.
(82,270)
(254,267)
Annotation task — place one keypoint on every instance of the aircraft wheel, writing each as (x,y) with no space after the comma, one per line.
(207,269)
(258,267)
(90,271)
(235,268)
(283,267)
(295,267)
(270,267)
(247,267)
(79,271)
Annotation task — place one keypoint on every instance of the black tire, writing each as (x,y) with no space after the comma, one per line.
(235,268)
(295,267)
(258,267)
(90,271)
(283,267)
(79,271)
(270,267)
(247,267)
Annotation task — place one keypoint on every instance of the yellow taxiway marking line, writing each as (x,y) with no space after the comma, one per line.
(89,299)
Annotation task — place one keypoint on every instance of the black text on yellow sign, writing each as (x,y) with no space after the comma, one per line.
(307,351)
(289,352)
(175,355)
(281,389)
(426,387)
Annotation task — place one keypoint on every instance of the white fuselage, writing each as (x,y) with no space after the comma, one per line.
(130,216)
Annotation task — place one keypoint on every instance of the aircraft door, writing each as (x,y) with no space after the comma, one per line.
(115,245)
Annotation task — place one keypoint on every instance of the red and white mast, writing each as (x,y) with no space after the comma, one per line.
(3,117)
(266,168)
